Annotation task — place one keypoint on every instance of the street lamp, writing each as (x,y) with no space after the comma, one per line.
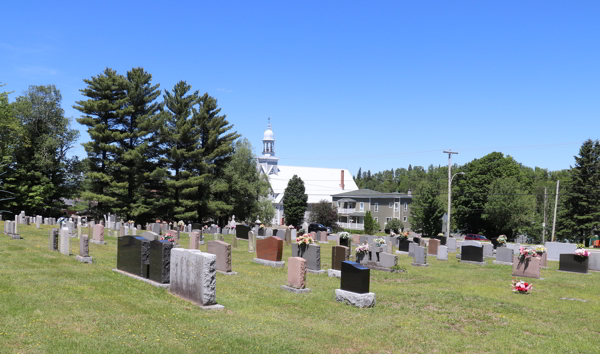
(450,202)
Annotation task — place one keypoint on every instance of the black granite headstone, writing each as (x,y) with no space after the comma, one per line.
(133,255)
(261,231)
(403,245)
(355,277)
(345,242)
(471,253)
(241,231)
(417,240)
(569,262)
(160,261)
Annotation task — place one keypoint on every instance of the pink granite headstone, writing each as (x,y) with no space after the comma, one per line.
(529,268)
(297,272)
(98,232)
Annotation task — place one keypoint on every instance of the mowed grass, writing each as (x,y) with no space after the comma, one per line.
(50,303)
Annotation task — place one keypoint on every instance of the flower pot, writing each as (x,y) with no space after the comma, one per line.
(360,257)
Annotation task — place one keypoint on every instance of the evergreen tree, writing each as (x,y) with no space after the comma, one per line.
(508,209)
(102,112)
(370,225)
(294,201)
(581,218)
(324,213)
(427,210)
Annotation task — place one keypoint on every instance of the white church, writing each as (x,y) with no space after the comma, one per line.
(320,183)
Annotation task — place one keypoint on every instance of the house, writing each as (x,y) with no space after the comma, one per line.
(353,205)
(319,183)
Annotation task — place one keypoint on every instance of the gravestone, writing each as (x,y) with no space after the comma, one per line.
(544,260)
(270,249)
(594,261)
(363,239)
(155,227)
(294,234)
(84,253)
(242,231)
(288,236)
(442,253)
(53,240)
(411,249)
(98,235)
(471,252)
(432,248)
(297,273)
(339,254)
(133,255)
(526,267)
(223,252)
(355,239)
(569,262)
(555,249)
(355,278)
(312,254)
(504,255)
(194,276)
(150,236)
(403,244)
(323,236)
(451,244)
(388,260)
(194,239)
(420,257)
(159,269)
(488,250)
(65,237)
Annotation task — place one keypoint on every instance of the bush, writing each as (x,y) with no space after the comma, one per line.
(393,225)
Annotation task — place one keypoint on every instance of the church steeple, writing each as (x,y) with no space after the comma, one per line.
(268,161)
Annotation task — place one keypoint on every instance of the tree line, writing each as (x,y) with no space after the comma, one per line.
(172,159)
(497,195)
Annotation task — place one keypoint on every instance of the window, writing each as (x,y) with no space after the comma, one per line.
(396,206)
(405,219)
(362,206)
(405,206)
(376,220)
(391,205)
(376,207)
(387,220)
(338,203)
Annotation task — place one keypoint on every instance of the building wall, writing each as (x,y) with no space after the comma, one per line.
(384,211)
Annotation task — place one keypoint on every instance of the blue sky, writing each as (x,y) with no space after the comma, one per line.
(347,84)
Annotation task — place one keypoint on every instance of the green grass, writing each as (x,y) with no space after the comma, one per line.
(50,303)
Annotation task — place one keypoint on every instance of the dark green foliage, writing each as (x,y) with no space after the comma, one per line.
(41,173)
(324,213)
(394,225)
(294,201)
(426,210)
(103,112)
(508,210)
(370,224)
(580,215)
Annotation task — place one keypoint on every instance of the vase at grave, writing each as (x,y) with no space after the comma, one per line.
(360,256)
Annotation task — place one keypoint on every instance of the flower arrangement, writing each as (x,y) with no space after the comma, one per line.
(521,287)
(344,235)
(580,245)
(540,249)
(130,222)
(501,239)
(526,253)
(405,234)
(157,221)
(262,226)
(580,252)
(304,239)
(362,249)
(291,226)
(168,237)
(379,241)
(440,234)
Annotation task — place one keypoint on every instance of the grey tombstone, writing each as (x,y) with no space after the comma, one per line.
(451,244)
(155,227)
(288,236)
(251,241)
(420,257)
(16,222)
(194,276)
(64,241)
(488,250)
(504,255)
(363,239)
(594,261)
(388,260)
(312,254)
(442,254)
(84,254)
(411,249)
(53,240)
(555,249)
(150,236)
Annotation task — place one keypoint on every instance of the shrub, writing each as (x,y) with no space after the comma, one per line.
(393,225)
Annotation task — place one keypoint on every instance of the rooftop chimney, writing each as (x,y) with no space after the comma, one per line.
(342,179)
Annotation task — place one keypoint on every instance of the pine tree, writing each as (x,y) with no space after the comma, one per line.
(427,210)
(294,201)
(370,225)
(102,112)
(581,217)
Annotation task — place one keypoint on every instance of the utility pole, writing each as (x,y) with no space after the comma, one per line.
(555,207)
(449,152)
(545,217)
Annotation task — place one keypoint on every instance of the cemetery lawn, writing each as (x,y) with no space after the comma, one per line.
(50,303)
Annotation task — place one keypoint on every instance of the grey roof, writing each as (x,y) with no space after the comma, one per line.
(368,193)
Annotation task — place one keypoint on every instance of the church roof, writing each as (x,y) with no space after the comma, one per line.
(320,183)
